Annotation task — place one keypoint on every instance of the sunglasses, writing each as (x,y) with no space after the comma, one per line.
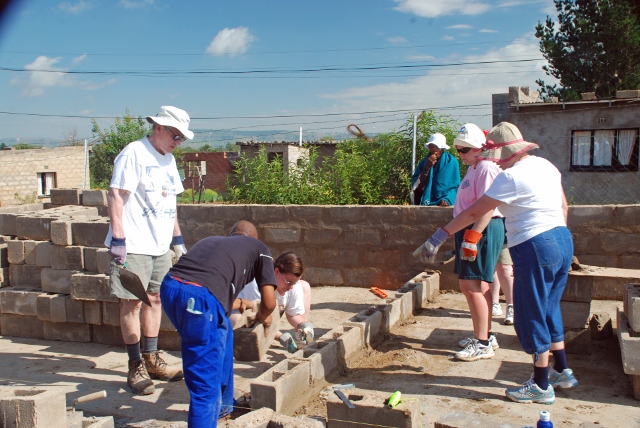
(287,281)
(464,150)
(177,137)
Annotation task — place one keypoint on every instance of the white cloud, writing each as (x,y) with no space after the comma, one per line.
(421,57)
(231,41)
(131,4)
(452,86)
(458,27)
(397,40)
(435,8)
(77,60)
(76,8)
(42,74)
(486,30)
(447,38)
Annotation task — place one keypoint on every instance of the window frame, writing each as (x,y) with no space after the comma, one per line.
(615,163)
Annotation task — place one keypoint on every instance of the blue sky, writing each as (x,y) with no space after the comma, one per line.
(240,64)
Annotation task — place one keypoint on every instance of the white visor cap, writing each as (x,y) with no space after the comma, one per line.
(470,135)
(439,140)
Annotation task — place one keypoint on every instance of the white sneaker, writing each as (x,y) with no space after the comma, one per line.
(496,310)
(508,318)
(492,340)
(475,351)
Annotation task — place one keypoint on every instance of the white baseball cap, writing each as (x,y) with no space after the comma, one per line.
(439,140)
(470,135)
(173,117)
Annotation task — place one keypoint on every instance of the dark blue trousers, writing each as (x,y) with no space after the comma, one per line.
(207,350)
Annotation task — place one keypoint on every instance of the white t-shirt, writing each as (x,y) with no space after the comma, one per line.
(531,192)
(250,291)
(149,210)
(293,300)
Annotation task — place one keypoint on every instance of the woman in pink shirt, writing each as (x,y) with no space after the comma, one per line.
(476,269)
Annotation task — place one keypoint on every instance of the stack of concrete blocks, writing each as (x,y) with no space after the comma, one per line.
(286,385)
(628,321)
(89,198)
(371,409)
(575,305)
(41,408)
(59,275)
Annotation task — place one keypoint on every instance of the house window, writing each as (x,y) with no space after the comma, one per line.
(604,150)
(46,182)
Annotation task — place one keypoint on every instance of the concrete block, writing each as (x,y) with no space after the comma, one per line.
(430,281)
(66,196)
(4,277)
(371,409)
(631,306)
(370,323)
(391,312)
(8,224)
(30,252)
(74,310)
(67,331)
(56,280)
(282,235)
(462,419)
(588,96)
(579,288)
(15,252)
(417,289)
(98,422)
(90,233)
(21,326)
(70,258)
(323,358)
(43,253)
(61,233)
(250,343)
(91,287)
(22,407)
(36,227)
(25,276)
(103,261)
(608,283)
(577,341)
(58,309)
(19,301)
(92,312)
(406,298)
(350,343)
(91,259)
(107,335)
(600,325)
(635,385)
(575,314)
(323,276)
(44,306)
(96,198)
(4,254)
(111,313)
(169,340)
(281,387)
(629,345)
(629,93)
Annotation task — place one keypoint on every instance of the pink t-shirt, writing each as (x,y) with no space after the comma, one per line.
(478,179)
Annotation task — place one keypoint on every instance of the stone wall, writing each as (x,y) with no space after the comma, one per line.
(366,246)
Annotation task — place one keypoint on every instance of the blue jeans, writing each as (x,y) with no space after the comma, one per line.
(540,270)
(207,350)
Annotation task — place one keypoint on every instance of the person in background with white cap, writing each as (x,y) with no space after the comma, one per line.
(475,266)
(529,194)
(143,226)
(437,177)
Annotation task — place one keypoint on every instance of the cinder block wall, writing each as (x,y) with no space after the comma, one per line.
(371,245)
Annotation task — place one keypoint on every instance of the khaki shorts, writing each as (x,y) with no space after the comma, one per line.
(150,269)
(504,258)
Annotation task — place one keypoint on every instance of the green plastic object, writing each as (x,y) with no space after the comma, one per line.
(394,399)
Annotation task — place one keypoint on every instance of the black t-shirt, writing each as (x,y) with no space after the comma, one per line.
(225,264)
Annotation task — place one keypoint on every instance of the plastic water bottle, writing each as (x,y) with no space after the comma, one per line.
(545,420)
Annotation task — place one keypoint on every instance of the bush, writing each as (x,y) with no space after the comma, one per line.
(208,196)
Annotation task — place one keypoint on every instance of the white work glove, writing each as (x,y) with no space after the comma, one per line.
(306,332)
(287,342)
(427,251)
(178,246)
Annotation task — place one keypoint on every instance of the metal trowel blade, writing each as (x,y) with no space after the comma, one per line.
(132,283)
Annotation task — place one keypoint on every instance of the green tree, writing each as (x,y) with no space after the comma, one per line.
(596,48)
(25,146)
(112,141)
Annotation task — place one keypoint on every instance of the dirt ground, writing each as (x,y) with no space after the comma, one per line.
(416,359)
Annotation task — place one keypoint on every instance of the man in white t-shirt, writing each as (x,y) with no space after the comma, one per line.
(144,224)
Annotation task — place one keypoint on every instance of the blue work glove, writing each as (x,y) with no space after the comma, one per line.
(427,251)
(118,250)
(178,246)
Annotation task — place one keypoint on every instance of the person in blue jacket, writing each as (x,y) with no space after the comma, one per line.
(437,177)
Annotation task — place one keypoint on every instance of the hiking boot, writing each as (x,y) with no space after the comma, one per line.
(566,379)
(159,369)
(492,340)
(530,392)
(508,318)
(138,378)
(475,351)
(496,310)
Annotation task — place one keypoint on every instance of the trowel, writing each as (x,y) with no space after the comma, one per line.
(132,283)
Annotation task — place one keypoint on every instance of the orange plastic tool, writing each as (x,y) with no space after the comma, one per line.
(379,293)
